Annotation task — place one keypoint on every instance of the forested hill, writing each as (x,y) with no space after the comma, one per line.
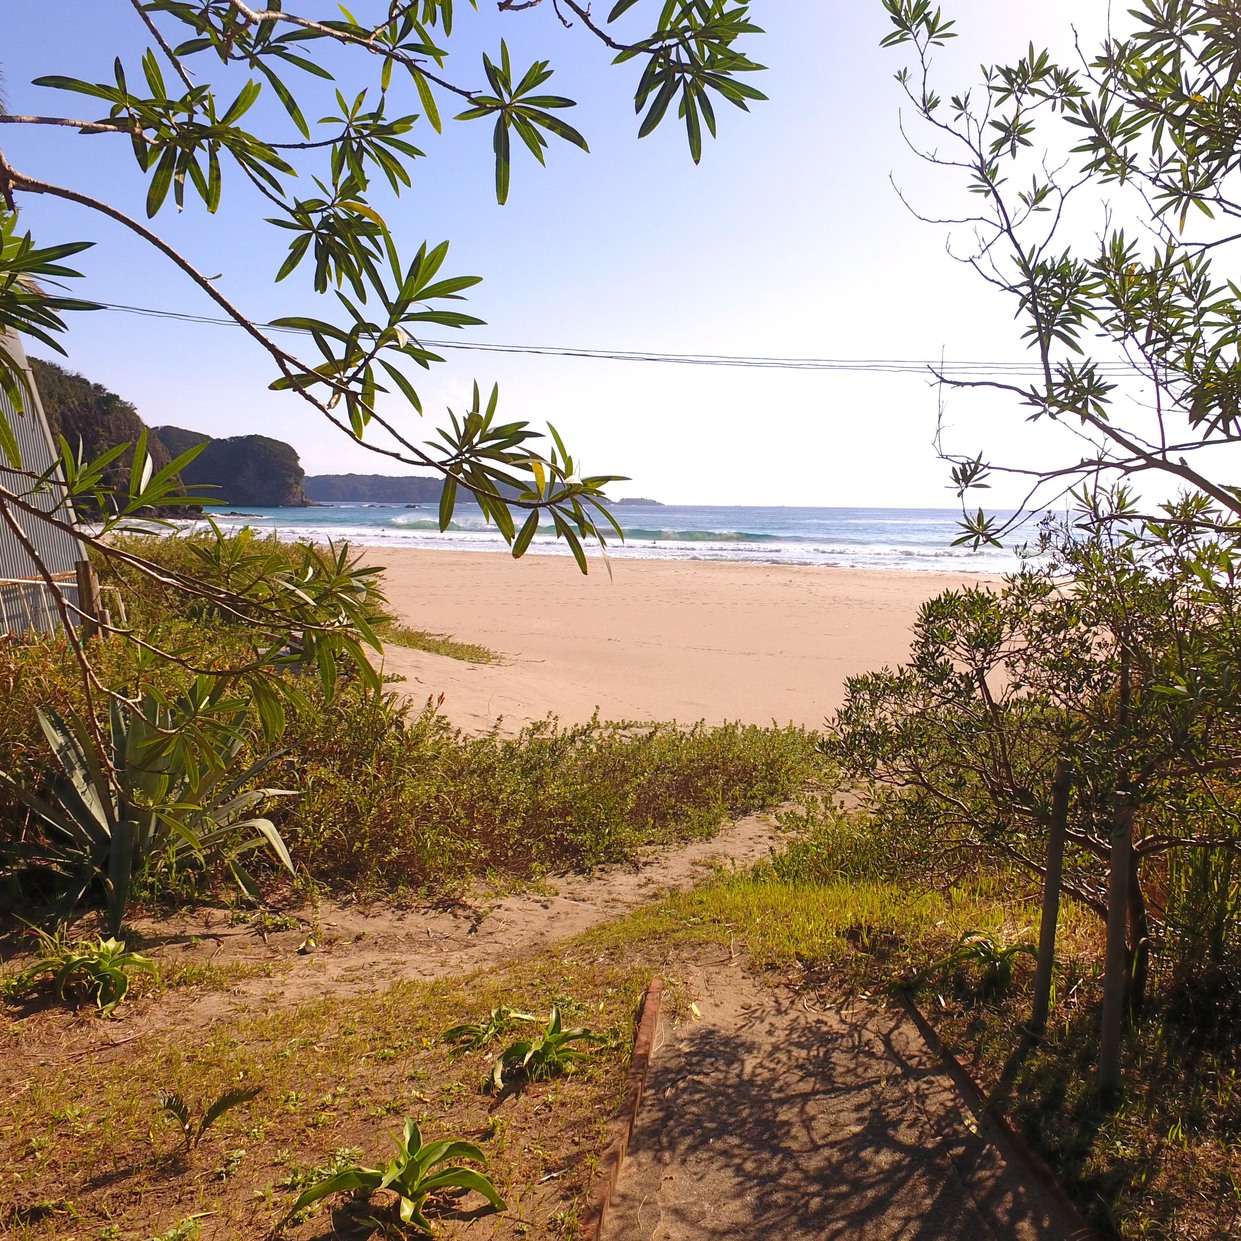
(398,489)
(374,488)
(86,413)
(246,469)
(242,469)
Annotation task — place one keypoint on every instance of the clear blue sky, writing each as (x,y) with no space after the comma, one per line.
(788,240)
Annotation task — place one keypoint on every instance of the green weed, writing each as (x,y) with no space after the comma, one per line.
(990,952)
(188,1229)
(413,1174)
(473,1036)
(548,1054)
(192,1131)
(98,971)
(341,1158)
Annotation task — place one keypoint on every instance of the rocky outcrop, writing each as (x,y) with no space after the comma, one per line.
(251,470)
(243,469)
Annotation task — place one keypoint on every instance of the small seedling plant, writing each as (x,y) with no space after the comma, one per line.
(97,971)
(548,1055)
(176,1109)
(413,1174)
(473,1036)
(995,957)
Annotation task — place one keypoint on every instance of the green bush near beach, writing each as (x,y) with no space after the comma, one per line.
(394,798)
(388,797)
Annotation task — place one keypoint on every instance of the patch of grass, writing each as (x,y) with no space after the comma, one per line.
(214,975)
(341,1074)
(851,933)
(336,1074)
(394,633)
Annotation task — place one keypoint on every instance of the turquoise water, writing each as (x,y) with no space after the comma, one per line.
(870,538)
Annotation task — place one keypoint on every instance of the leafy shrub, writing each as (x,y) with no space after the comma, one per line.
(218,717)
(396,798)
(160,806)
(99,970)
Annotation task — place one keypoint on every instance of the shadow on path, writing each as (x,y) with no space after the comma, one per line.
(766,1120)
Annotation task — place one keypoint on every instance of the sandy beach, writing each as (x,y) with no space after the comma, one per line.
(659,640)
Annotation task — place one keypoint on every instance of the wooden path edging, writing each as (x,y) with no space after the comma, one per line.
(987,1113)
(622,1125)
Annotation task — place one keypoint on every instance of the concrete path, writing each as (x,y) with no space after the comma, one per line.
(768,1118)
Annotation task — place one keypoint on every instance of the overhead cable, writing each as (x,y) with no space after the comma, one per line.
(891,366)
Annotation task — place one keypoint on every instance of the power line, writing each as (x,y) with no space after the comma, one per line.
(889,366)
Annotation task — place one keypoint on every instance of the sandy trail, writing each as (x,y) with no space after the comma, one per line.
(363,949)
(772,1114)
(772,1117)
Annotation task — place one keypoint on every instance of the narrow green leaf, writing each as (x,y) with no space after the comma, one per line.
(528,531)
(500,142)
(427,97)
(448,501)
(161,180)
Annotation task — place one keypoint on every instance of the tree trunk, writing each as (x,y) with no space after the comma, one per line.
(1053,876)
(1116,967)
(1139,941)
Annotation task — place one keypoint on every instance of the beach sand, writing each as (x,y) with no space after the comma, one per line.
(659,640)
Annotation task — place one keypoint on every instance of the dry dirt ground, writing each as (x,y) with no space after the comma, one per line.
(364,948)
(769,1114)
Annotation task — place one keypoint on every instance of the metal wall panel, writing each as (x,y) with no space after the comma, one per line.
(25,601)
(26,606)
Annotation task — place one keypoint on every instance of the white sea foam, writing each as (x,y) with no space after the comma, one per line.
(901,539)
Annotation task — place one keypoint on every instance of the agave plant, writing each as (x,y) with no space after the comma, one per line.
(548,1055)
(99,969)
(157,806)
(413,1174)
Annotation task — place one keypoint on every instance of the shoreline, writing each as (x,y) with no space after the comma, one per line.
(658,640)
(899,540)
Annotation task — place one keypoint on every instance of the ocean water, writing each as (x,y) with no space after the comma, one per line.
(865,538)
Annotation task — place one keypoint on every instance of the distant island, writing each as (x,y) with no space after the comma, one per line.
(374,488)
(396,489)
